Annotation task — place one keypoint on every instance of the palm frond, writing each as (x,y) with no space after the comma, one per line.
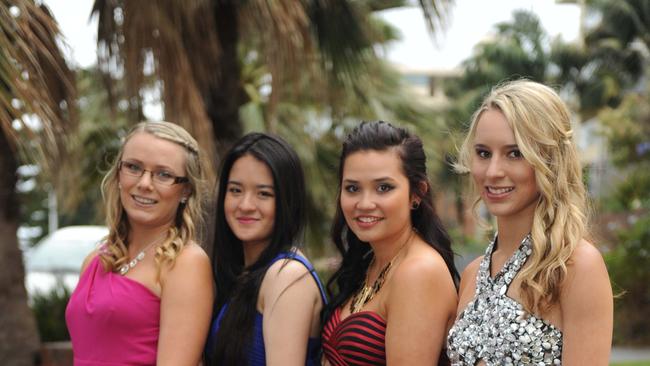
(37,105)
(154,45)
(435,13)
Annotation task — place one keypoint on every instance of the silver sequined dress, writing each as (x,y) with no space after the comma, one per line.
(496,329)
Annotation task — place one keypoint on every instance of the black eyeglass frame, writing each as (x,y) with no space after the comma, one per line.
(177,179)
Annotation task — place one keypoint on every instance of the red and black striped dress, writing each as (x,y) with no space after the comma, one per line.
(360,339)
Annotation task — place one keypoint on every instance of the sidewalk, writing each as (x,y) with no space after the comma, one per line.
(620,354)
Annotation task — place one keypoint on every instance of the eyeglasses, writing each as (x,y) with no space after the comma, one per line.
(160,176)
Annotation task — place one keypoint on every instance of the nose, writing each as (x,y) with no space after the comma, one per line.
(146,180)
(366,201)
(495,168)
(247,202)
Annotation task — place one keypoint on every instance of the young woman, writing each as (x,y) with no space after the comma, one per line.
(145,296)
(395,295)
(268,295)
(541,294)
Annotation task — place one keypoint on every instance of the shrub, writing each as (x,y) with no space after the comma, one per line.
(629,270)
(49,310)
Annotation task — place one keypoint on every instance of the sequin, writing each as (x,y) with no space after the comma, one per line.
(496,329)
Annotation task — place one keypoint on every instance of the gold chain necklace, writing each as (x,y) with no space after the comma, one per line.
(366,293)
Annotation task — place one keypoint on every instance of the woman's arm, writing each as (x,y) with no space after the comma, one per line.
(419,309)
(587,309)
(467,288)
(185,308)
(291,304)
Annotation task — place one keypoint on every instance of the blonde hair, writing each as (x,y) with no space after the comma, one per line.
(542,129)
(188,226)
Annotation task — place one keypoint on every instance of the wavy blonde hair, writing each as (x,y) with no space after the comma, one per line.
(542,128)
(189,220)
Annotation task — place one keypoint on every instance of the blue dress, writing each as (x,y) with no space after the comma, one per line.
(257,353)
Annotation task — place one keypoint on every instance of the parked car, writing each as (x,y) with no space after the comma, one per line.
(56,259)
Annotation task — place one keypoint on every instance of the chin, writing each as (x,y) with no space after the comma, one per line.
(505,214)
(365,237)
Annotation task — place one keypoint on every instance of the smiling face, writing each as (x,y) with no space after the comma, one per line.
(505,180)
(148,203)
(249,203)
(375,197)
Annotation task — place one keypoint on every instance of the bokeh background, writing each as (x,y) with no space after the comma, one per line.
(74,76)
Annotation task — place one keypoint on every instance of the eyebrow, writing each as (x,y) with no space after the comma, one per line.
(382,179)
(511,146)
(236,183)
(156,167)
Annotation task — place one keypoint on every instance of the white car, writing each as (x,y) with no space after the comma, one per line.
(57,258)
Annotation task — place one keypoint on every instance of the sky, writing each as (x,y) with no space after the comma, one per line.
(469,22)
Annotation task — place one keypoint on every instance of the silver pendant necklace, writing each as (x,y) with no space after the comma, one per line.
(138,258)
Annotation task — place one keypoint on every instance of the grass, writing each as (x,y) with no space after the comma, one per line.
(632,363)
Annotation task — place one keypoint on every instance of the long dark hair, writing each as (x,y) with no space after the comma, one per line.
(380,136)
(238,285)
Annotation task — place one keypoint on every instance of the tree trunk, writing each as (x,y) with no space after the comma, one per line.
(18,333)
(223,99)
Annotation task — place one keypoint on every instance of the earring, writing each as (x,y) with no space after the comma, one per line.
(415,205)
(184,200)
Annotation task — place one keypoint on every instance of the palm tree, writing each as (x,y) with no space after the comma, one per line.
(227,67)
(194,51)
(611,60)
(36,110)
(626,21)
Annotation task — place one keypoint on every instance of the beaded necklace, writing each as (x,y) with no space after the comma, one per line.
(138,258)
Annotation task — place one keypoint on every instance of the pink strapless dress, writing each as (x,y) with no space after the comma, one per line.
(112,320)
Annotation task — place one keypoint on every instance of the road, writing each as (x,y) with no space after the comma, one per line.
(620,354)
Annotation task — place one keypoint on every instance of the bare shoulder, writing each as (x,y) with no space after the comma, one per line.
(422,277)
(585,260)
(585,265)
(468,277)
(192,258)
(587,282)
(190,273)
(285,272)
(289,280)
(192,252)
(472,268)
(467,288)
(88,259)
(423,265)
(586,306)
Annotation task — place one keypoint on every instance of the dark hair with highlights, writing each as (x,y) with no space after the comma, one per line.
(381,136)
(238,285)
